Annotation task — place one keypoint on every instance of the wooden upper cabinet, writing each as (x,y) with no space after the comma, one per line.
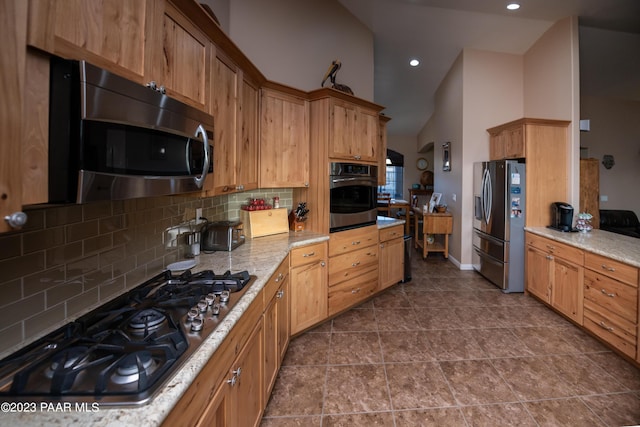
(224,100)
(248,143)
(109,33)
(284,141)
(354,132)
(181,59)
(143,40)
(544,144)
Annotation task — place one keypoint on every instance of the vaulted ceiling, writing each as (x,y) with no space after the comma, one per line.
(435,32)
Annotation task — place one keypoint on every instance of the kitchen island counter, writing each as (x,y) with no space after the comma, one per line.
(611,245)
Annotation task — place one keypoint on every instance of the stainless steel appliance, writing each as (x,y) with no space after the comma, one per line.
(222,236)
(111,138)
(352,195)
(562,216)
(499,212)
(123,352)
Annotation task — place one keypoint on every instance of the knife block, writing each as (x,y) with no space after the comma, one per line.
(294,224)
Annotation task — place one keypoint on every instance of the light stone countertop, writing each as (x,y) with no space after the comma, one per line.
(615,246)
(261,257)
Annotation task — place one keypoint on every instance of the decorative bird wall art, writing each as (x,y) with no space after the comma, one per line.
(331,75)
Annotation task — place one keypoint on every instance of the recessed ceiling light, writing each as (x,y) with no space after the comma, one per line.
(513,6)
(414,62)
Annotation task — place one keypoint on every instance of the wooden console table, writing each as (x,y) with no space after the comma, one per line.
(432,223)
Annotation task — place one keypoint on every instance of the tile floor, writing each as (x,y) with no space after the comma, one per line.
(449,349)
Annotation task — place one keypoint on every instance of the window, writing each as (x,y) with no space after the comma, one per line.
(394,174)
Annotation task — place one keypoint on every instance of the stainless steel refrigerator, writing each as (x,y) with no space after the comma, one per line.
(498,226)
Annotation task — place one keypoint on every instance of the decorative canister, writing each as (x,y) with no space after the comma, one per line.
(276,202)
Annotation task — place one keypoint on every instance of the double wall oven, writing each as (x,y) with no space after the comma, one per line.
(352,195)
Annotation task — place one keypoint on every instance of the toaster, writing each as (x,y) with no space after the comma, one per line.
(222,236)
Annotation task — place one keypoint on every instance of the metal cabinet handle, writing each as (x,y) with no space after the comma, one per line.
(355,264)
(280,294)
(279,278)
(232,381)
(237,372)
(355,291)
(357,242)
(323,264)
(16,220)
(551,247)
(605,267)
(309,254)
(549,257)
(604,326)
(607,293)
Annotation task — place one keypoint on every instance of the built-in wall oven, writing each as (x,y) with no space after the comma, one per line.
(353,195)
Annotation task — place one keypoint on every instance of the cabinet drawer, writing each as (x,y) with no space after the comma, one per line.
(346,241)
(612,295)
(308,254)
(438,223)
(612,329)
(615,269)
(391,233)
(554,248)
(349,293)
(353,264)
(274,282)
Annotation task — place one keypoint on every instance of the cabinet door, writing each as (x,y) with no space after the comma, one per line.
(248,143)
(567,289)
(496,146)
(391,262)
(276,334)
(308,295)
(284,154)
(224,105)
(218,411)
(109,33)
(367,139)
(13,32)
(343,130)
(538,273)
(183,59)
(248,402)
(514,143)
(382,150)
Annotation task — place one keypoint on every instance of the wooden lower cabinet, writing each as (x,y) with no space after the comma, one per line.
(596,292)
(308,283)
(391,255)
(555,275)
(238,401)
(277,324)
(611,302)
(353,267)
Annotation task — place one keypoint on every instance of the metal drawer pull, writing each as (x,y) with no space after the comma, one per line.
(604,326)
(604,266)
(309,254)
(279,278)
(357,242)
(549,257)
(355,291)
(607,293)
(355,264)
(551,247)
(280,294)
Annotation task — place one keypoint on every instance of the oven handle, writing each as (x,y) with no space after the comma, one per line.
(368,182)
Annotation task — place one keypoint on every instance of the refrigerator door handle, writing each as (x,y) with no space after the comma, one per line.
(486,195)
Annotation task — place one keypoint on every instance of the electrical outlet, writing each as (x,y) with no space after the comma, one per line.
(454,197)
(604,198)
(198,215)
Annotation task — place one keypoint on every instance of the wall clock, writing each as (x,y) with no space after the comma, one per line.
(422,163)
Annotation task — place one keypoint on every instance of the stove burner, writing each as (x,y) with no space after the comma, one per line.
(147,319)
(132,365)
(67,359)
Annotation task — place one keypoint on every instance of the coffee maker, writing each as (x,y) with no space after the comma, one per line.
(561,216)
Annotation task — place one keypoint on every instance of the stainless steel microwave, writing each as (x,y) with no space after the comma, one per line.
(111,138)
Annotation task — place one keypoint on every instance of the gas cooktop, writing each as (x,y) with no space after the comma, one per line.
(124,351)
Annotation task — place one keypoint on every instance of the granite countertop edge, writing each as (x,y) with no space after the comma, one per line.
(261,257)
(618,247)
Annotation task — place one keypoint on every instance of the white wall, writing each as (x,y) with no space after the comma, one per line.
(552,88)
(294,42)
